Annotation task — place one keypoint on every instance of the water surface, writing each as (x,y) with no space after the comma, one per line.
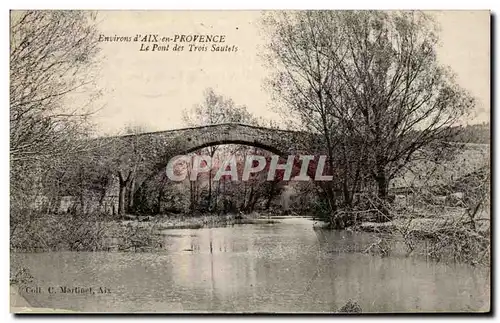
(284,267)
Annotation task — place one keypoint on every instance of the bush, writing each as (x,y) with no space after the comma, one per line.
(450,241)
(93,232)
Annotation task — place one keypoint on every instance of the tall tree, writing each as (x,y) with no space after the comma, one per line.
(304,75)
(131,159)
(369,82)
(52,56)
(216,109)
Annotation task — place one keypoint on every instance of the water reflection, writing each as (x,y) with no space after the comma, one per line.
(285,267)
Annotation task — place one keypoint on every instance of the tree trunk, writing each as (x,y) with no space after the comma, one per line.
(191,196)
(131,193)
(330,191)
(216,197)
(102,196)
(270,196)
(193,187)
(121,198)
(332,201)
(252,205)
(160,197)
(209,189)
(382,185)
(244,201)
(347,193)
(122,193)
(249,205)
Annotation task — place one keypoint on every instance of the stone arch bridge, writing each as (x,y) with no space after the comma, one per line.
(148,153)
(134,159)
(163,145)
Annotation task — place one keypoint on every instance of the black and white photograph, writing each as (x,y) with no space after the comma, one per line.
(250,161)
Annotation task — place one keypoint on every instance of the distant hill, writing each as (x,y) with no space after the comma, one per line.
(476,133)
(473,158)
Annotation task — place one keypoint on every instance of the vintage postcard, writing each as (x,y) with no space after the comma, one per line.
(322,161)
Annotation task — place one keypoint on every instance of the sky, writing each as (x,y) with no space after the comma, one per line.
(151,89)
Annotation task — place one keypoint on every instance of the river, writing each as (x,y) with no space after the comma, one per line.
(283,267)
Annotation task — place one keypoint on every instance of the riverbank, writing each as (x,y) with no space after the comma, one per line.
(64,232)
(449,236)
(423,221)
(168,221)
(440,233)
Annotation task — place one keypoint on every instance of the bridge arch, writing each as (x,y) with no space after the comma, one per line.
(163,145)
(276,141)
(200,145)
(156,149)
